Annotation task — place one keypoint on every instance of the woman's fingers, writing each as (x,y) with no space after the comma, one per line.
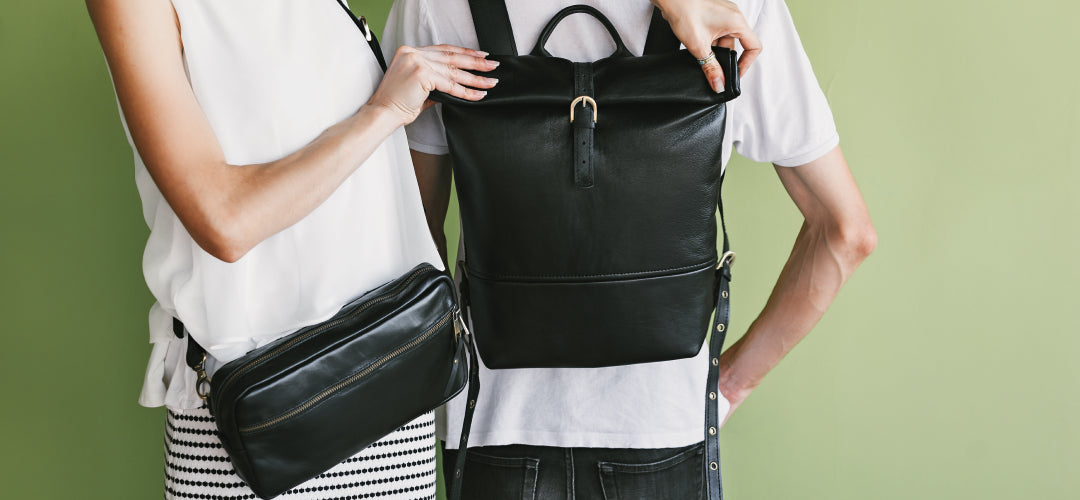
(463,61)
(472,80)
(447,85)
(454,80)
(454,49)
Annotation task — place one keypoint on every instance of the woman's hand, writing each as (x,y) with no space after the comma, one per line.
(416,72)
(701,24)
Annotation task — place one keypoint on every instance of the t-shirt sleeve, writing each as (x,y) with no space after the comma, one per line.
(409,24)
(782,116)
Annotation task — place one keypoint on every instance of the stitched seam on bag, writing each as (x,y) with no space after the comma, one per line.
(642,274)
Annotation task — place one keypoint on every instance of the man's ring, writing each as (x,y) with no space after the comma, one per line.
(702,62)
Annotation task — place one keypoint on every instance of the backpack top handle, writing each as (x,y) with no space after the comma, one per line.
(620,47)
(496,35)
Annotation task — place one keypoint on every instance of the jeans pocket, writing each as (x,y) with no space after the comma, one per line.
(678,477)
(489,477)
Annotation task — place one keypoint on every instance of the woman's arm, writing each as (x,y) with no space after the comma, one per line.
(228,209)
(835,238)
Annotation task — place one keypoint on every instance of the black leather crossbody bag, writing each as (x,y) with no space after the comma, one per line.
(292,409)
(588,196)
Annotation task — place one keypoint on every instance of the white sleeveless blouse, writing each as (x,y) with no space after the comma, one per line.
(271,75)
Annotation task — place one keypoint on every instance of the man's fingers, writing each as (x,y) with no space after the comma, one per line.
(727,42)
(715,74)
(751,49)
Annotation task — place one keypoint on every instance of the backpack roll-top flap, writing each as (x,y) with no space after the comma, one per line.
(669,78)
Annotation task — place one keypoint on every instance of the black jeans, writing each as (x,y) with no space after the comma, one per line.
(547,473)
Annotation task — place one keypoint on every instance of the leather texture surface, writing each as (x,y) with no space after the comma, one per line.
(296,407)
(592,242)
(630,320)
(563,220)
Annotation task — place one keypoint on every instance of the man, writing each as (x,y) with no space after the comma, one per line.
(637,429)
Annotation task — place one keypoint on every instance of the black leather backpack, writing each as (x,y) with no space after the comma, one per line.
(588,196)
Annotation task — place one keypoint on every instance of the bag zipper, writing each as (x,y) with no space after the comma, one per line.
(354,378)
(278,350)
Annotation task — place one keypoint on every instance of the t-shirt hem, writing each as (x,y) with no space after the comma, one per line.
(428,148)
(812,154)
(577,440)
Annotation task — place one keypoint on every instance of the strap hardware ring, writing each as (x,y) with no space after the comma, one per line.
(367,29)
(727,259)
(202,382)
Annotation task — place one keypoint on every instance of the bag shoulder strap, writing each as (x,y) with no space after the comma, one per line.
(713,480)
(660,38)
(493,29)
(373,42)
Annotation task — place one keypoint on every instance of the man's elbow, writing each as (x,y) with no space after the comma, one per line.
(857,239)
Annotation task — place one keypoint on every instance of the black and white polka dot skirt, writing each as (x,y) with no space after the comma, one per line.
(400,466)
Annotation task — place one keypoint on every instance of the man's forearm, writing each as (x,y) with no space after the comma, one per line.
(830,246)
(811,278)
(433,175)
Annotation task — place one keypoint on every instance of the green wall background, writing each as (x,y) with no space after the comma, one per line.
(944,370)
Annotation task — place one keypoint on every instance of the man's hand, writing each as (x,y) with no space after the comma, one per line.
(701,24)
(836,236)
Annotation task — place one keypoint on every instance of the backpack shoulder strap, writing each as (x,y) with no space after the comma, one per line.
(493,29)
(718,331)
(660,39)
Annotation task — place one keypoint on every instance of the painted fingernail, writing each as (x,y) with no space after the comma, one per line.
(482,53)
(493,81)
(494,64)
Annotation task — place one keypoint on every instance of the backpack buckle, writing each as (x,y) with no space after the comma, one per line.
(588,101)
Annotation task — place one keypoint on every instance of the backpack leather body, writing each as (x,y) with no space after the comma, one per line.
(590,242)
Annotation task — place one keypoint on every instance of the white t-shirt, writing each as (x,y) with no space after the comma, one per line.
(782,117)
(270,75)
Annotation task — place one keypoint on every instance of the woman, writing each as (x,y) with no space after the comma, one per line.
(277,185)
